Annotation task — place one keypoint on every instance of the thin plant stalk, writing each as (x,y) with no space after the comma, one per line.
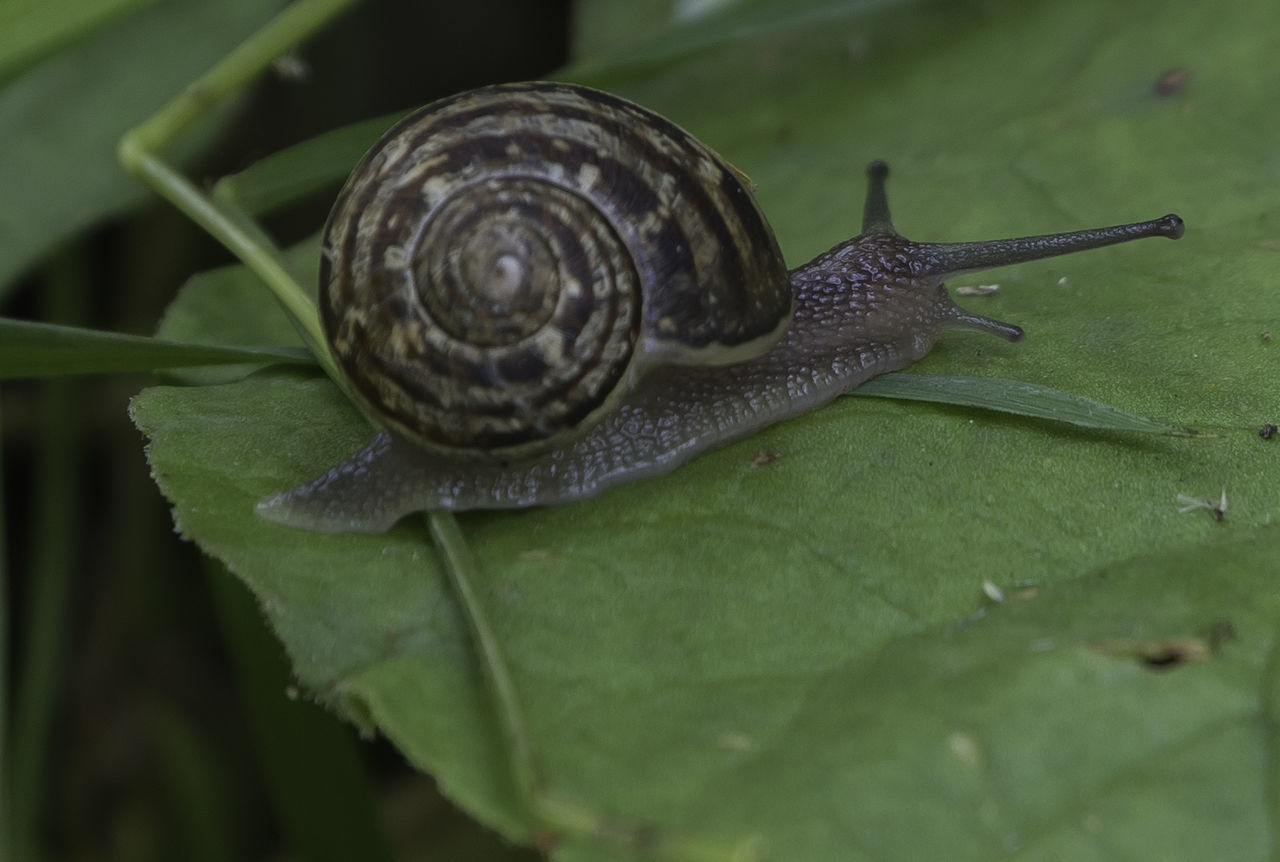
(7,848)
(54,520)
(140,153)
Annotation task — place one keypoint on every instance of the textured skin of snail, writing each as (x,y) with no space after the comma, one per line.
(543,291)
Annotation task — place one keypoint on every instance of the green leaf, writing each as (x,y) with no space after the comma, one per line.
(31,28)
(762,642)
(309,415)
(228,306)
(303,169)
(800,653)
(30,349)
(616,39)
(601,30)
(59,122)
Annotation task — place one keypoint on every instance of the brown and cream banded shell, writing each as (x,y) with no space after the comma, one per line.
(505,264)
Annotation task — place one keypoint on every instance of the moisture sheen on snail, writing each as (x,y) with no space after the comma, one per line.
(544,291)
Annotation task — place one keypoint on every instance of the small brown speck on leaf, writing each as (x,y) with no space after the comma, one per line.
(1161,655)
(1173,81)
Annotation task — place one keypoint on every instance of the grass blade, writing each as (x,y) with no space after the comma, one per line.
(1020,399)
(31,349)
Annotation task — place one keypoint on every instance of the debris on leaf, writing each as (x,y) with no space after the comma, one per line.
(1173,81)
(1218,509)
(978,290)
(1164,654)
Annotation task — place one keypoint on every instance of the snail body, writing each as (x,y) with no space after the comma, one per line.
(544,291)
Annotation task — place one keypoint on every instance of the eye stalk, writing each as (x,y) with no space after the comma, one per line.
(943,260)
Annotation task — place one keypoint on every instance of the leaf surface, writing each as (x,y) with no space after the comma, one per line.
(799,653)
(31,28)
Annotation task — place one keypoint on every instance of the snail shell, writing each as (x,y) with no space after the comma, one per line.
(543,291)
(504,266)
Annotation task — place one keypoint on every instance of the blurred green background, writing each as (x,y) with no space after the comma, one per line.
(132,738)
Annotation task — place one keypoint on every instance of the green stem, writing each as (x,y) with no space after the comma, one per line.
(561,815)
(8,850)
(140,147)
(462,570)
(295,24)
(54,519)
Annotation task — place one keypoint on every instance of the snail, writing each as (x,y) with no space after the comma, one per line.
(543,291)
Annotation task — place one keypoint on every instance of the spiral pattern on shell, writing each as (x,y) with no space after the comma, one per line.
(504,263)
